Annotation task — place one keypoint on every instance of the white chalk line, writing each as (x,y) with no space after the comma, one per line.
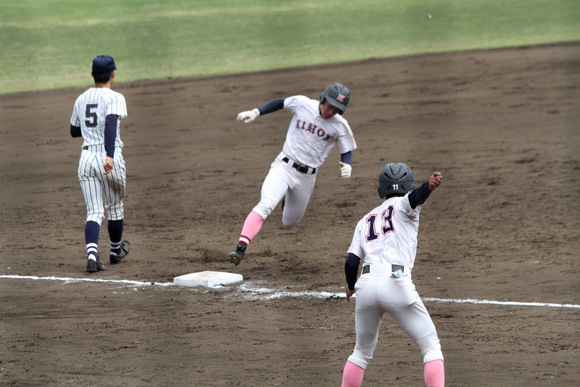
(252,292)
(68,280)
(490,302)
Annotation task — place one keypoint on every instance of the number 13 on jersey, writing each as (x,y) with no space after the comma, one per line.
(386,226)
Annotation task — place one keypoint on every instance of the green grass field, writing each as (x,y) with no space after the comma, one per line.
(50,43)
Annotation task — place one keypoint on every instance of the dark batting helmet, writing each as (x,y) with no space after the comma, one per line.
(337,95)
(395,179)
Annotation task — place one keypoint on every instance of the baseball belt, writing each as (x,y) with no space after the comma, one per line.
(299,167)
(94,148)
(367,269)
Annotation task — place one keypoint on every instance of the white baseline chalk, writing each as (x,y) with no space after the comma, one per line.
(261,293)
(65,279)
(490,302)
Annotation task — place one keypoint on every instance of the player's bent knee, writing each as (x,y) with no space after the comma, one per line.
(433,353)
(359,359)
(288,225)
(290,222)
(264,210)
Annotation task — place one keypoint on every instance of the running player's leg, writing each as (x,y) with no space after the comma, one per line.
(274,188)
(296,201)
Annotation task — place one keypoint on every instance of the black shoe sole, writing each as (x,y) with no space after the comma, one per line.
(235,257)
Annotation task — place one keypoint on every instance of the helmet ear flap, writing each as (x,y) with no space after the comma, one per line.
(381,191)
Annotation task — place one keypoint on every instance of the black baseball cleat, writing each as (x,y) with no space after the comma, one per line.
(237,255)
(116,258)
(94,266)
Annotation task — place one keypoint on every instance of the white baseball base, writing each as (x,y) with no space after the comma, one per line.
(208,279)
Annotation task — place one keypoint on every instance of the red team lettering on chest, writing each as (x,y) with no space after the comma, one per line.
(312,128)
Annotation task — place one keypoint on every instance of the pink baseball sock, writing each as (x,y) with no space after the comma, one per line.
(434,372)
(252,227)
(352,375)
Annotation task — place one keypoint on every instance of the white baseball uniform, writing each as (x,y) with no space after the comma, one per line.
(292,175)
(90,111)
(386,238)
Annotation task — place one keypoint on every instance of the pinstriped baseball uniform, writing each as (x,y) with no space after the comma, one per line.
(90,111)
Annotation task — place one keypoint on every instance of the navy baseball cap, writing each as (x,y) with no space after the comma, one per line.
(103,64)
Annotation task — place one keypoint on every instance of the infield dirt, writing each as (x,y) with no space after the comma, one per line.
(502,127)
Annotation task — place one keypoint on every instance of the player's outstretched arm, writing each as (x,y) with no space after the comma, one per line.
(419,196)
(251,115)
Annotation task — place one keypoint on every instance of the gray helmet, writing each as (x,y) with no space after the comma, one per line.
(395,179)
(337,95)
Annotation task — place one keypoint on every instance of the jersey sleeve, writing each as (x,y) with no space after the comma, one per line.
(355,245)
(346,141)
(74,119)
(117,106)
(294,102)
(407,208)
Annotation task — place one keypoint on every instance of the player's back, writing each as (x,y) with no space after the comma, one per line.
(388,233)
(92,108)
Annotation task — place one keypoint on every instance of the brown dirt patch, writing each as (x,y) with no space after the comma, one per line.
(501,125)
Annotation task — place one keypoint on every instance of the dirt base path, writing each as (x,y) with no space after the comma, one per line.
(501,125)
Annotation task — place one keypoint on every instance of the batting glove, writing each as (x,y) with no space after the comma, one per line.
(248,116)
(345,170)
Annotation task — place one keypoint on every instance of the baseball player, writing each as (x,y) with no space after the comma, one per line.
(386,240)
(315,128)
(96,118)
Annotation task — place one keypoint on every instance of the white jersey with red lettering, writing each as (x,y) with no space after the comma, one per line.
(309,140)
(310,137)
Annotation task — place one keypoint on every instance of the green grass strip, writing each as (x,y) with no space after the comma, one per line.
(50,43)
